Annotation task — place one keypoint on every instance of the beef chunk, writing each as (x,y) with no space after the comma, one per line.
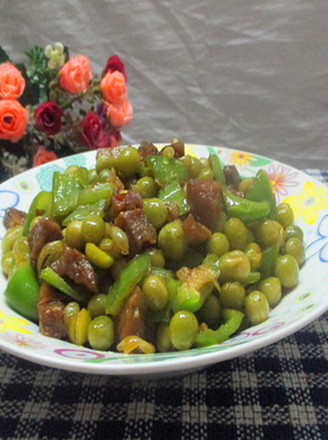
(195,232)
(124,201)
(147,148)
(74,265)
(42,233)
(131,321)
(14,217)
(141,233)
(51,306)
(205,200)
(232,176)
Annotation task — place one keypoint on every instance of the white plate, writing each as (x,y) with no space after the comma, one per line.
(305,303)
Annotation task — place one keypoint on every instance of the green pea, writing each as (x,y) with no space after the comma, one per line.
(92,175)
(163,338)
(210,313)
(11,235)
(286,269)
(127,162)
(237,233)
(7,262)
(101,333)
(156,257)
(244,184)
(183,329)
(168,151)
(206,173)
(234,266)
(218,244)
(254,254)
(232,295)
(268,233)
(146,187)
(194,167)
(118,266)
(105,161)
(172,240)
(256,307)
(155,292)
(156,212)
(93,229)
(295,247)
(104,175)
(294,231)
(97,305)
(285,215)
(271,287)
(73,236)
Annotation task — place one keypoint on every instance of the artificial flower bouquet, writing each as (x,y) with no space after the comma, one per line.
(56,106)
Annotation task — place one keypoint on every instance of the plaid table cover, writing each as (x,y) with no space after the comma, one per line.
(276,393)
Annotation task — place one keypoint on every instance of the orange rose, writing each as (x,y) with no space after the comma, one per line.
(120,115)
(75,74)
(12,83)
(43,156)
(113,87)
(13,120)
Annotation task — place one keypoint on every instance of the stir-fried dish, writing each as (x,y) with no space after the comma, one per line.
(152,250)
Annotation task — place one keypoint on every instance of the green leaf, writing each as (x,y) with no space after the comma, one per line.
(38,70)
(259,161)
(3,56)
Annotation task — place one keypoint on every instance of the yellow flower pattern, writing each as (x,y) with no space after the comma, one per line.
(8,322)
(240,158)
(309,202)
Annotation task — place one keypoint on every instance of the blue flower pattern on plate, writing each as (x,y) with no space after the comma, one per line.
(320,245)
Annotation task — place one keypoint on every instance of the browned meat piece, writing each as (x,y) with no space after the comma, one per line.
(74,265)
(124,201)
(51,312)
(14,217)
(195,232)
(205,200)
(232,176)
(141,233)
(178,148)
(42,233)
(147,148)
(131,321)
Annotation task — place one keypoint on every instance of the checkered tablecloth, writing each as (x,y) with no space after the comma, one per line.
(279,392)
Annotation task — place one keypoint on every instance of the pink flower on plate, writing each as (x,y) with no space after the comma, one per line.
(282,177)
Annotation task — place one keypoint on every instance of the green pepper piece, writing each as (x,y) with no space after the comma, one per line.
(246,210)
(172,286)
(65,193)
(166,169)
(216,167)
(261,189)
(212,261)
(22,292)
(83,211)
(51,277)
(269,257)
(174,193)
(41,203)
(95,192)
(130,276)
(232,321)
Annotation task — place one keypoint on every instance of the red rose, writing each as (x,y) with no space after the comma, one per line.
(115,63)
(90,129)
(48,118)
(43,156)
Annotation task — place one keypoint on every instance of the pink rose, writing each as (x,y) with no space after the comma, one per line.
(120,115)
(12,83)
(113,87)
(43,156)
(48,118)
(75,74)
(115,63)
(13,120)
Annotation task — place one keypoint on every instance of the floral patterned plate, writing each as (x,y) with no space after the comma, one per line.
(309,200)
